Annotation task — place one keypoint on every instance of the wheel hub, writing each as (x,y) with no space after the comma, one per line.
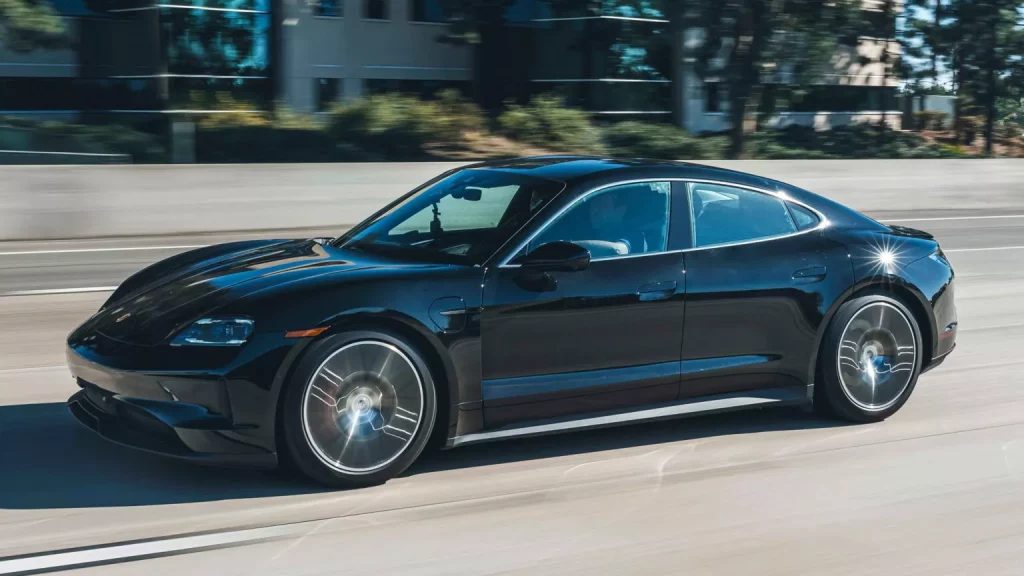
(877,356)
(362,407)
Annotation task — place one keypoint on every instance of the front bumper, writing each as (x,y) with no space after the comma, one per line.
(144,411)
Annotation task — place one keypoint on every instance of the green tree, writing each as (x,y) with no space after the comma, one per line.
(27,25)
(748,44)
(989,46)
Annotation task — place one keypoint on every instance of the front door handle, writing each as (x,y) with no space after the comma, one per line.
(813,274)
(657,291)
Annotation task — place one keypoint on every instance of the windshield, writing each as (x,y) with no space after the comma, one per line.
(463,218)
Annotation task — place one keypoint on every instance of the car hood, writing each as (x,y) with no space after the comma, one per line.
(159,309)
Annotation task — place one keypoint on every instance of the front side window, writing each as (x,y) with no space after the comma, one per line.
(461,219)
(727,215)
(619,221)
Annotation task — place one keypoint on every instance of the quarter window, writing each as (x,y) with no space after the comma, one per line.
(805,219)
(726,215)
(618,221)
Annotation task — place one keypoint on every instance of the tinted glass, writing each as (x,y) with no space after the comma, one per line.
(327,8)
(805,219)
(326,93)
(376,9)
(619,221)
(463,218)
(428,11)
(212,42)
(725,215)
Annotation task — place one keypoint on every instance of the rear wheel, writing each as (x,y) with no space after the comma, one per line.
(359,409)
(871,359)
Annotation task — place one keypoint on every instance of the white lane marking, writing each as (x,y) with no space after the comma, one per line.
(945,218)
(111,249)
(141,550)
(983,249)
(49,291)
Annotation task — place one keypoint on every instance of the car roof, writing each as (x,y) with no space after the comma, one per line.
(583,172)
(573,169)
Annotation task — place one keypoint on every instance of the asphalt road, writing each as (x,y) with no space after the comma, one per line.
(936,489)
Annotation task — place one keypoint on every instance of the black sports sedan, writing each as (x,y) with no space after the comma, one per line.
(509,299)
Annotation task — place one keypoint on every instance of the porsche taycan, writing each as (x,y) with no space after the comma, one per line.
(511,299)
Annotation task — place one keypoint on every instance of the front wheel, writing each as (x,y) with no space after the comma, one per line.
(359,409)
(871,359)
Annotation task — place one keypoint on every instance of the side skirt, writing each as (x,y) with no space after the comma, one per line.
(688,407)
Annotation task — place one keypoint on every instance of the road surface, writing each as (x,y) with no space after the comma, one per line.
(936,489)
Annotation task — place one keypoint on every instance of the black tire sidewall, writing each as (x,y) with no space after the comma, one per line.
(836,400)
(297,447)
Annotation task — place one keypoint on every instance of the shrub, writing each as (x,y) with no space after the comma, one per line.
(399,127)
(547,122)
(649,140)
(968,128)
(83,138)
(853,141)
(931,120)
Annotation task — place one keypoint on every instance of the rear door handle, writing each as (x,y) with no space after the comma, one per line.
(657,291)
(813,274)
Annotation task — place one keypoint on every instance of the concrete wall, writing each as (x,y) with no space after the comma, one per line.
(38,202)
(355,49)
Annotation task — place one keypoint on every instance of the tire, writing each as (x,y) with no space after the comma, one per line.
(871,359)
(358,410)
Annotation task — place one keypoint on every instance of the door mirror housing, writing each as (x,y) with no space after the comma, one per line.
(556,257)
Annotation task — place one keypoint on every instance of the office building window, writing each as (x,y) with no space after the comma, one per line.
(215,42)
(328,8)
(427,11)
(326,93)
(377,10)
(712,97)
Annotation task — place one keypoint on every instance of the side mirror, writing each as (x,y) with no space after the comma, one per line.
(556,257)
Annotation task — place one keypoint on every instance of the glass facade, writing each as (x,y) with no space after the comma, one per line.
(421,88)
(215,43)
(327,93)
(427,11)
(613,56)
(376,9)
(328,8)
(78,94)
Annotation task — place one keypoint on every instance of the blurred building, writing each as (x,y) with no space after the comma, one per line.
(144,58)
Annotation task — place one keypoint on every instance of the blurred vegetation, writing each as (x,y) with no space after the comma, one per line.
(26,25)
(661,141)
(548,123)
(931,120)
(395,127)
(854,141)
(20,134)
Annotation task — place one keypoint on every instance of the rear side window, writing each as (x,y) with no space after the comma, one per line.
(727,215)
(805,219)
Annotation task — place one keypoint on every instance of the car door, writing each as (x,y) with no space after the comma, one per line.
(760,278)
(606,337)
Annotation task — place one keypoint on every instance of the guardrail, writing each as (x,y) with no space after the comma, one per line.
(43,202)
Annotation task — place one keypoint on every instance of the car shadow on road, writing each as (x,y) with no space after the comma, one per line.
(49,461)
(629,436)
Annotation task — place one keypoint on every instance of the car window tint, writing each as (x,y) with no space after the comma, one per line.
(725,215)
(617,221)
(805,219)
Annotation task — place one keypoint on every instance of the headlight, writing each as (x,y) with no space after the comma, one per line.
(218,331)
